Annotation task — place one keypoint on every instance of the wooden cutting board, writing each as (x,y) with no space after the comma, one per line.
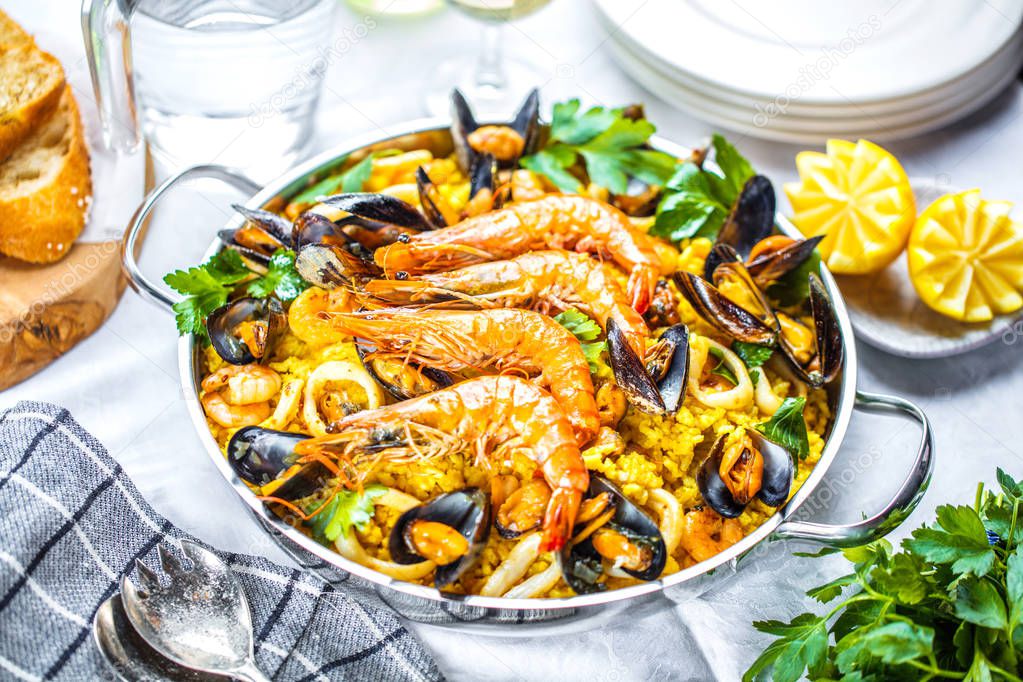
(45,310)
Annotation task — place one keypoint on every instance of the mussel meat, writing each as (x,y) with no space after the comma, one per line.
(261,235)
(246,330)
(329,266)
(450,530)
(659,385)
(816,354)
(751,220)
(612,535)
(738,469)
(523,509)
(507,143)
(403,380)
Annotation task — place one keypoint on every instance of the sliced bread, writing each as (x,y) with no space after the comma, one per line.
(45,189)
(31,83)
(11,34)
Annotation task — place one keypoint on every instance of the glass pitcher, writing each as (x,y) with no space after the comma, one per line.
(234,82)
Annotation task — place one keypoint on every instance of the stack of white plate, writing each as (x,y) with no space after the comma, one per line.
(804,70)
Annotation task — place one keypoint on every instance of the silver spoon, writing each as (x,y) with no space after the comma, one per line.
(200,620)
(128,654)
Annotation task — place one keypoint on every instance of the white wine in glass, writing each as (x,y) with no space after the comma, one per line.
(496,84)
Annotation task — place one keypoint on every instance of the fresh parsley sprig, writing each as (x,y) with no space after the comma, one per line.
(787,427)
(947,605)
(696,201)
(346,510)
(208,286)
(587,331)
(611,147)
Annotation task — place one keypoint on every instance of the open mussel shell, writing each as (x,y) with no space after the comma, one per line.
(276,226)
(751,219)
(582,564)
(723,313)
(526,123)
(246,330)
(329,266)
(466,511)
(382,208)
(659,385)
(523,510)
(826,362)
(776,479)
(769,267)
(734,281)
(403,380)
(313,228)
(428,198)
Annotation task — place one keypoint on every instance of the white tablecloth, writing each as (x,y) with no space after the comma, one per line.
(122,382)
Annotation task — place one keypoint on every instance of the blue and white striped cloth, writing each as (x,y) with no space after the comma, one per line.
(71,522)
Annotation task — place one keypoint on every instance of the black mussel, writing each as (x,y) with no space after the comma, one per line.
(507,143)
(403,380)
(329,267)
(612,533)
(483,180)
(252,242)
(381,208)
(435,207)
(750,466)
(247,329)
(663,310)
(523,509)
(260,455)
(751,219)
(815,353)
(734,282)
(450,530)
(776,256)
(313,228)
(276,226)
(630,373)
(667,362)
(723,313)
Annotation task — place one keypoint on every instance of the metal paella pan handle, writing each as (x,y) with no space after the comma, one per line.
(129,264)
(900,506)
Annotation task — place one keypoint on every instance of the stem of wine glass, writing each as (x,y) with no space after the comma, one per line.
(490,66)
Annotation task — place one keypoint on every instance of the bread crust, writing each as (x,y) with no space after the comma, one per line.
(17,124)
(39,226)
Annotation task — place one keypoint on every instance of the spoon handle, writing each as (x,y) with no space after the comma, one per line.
(249,673)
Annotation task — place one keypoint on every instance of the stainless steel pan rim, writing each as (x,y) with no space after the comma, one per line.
(778,526)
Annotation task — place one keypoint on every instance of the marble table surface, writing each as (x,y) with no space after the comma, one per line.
(122,382)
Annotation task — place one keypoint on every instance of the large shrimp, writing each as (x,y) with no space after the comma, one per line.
(544,280)
(239,395)
(502,339)
(552,222)
(491,416)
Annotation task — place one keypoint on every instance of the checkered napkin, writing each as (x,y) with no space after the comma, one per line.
(71,523)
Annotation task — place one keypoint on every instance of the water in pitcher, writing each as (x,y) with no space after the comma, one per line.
(234,82)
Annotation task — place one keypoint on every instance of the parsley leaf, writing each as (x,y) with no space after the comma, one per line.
(793,287)
(611,146)
(788,428)
(281,278)
(721,369)
(697,201)
(960,540)
(751,354)
(587,331)
(206,287)
(347,509)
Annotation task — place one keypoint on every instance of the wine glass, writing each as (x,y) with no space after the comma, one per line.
(496,84)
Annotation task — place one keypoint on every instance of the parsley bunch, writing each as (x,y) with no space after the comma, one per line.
(948,605)
(696,201)
(612,147)
(207,287)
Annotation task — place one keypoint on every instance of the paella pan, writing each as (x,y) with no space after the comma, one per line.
(463,375)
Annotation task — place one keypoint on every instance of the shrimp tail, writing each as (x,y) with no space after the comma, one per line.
(642,284)
(560,518)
